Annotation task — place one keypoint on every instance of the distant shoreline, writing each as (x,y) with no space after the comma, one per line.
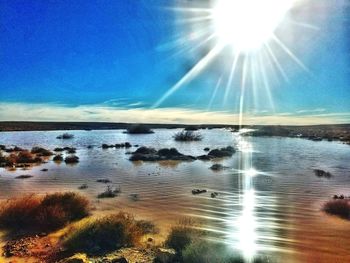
(8,126)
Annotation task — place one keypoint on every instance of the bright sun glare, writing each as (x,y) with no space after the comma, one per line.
(247,24)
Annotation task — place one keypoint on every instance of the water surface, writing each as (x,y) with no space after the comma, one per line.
(269,199)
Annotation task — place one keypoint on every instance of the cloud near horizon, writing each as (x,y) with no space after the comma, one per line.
(102,113)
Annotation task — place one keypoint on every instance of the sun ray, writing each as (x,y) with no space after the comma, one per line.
(265,81)
(290,53)
(253,73)
(232,71)
(194,47)
(217,86)
(193,19)
(241,100)
(305,25)
(277,63)
(195,10)
(191,74)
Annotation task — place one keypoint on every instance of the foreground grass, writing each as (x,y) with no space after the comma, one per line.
(191,246)
(106,234)
(34,213)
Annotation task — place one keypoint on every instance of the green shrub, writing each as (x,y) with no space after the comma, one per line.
(182,235)
(203,251)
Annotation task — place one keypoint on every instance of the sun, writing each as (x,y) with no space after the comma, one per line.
(246,25)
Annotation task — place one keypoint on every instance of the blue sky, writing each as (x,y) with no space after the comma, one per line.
(123,55)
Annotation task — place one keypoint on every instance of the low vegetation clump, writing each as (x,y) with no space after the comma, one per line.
(139,129)
(207,252)
(217,167)
(104,181)
(71,159)
(165,154)
(322,173)
(24,176)
(338,207)
(65,136)
(71,151)
(83,187)
(223,152)
(187,136)
(39,151)
(181,235)
(58,149)
(191,246)
(117,145)
(42,213)
(58,158)
(20,158)
(110,192)
(105,234)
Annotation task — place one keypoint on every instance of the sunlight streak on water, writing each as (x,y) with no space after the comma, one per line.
(246,222)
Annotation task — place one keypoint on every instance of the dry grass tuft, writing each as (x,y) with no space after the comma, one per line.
(42,213)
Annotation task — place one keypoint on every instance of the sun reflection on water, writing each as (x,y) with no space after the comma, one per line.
(246,222)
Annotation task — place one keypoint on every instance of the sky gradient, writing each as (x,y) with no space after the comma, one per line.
(79,57)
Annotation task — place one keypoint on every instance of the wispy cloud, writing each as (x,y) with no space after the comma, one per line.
(103,113)
(311,110)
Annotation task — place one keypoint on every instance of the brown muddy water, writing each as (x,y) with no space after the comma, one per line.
(269,200)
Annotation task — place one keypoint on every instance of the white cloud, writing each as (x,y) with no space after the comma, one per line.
(102,113)
(312,110)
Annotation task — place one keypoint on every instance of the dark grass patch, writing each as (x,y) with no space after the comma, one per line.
(58,158)
(105,181)
(58,149)
(24,176)
(322,173)
(338,207)
(110,192)
(65,136)
(39,151)
(83,187)
(72,159)
(139,129)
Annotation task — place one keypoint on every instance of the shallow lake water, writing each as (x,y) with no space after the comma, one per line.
(269,200)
